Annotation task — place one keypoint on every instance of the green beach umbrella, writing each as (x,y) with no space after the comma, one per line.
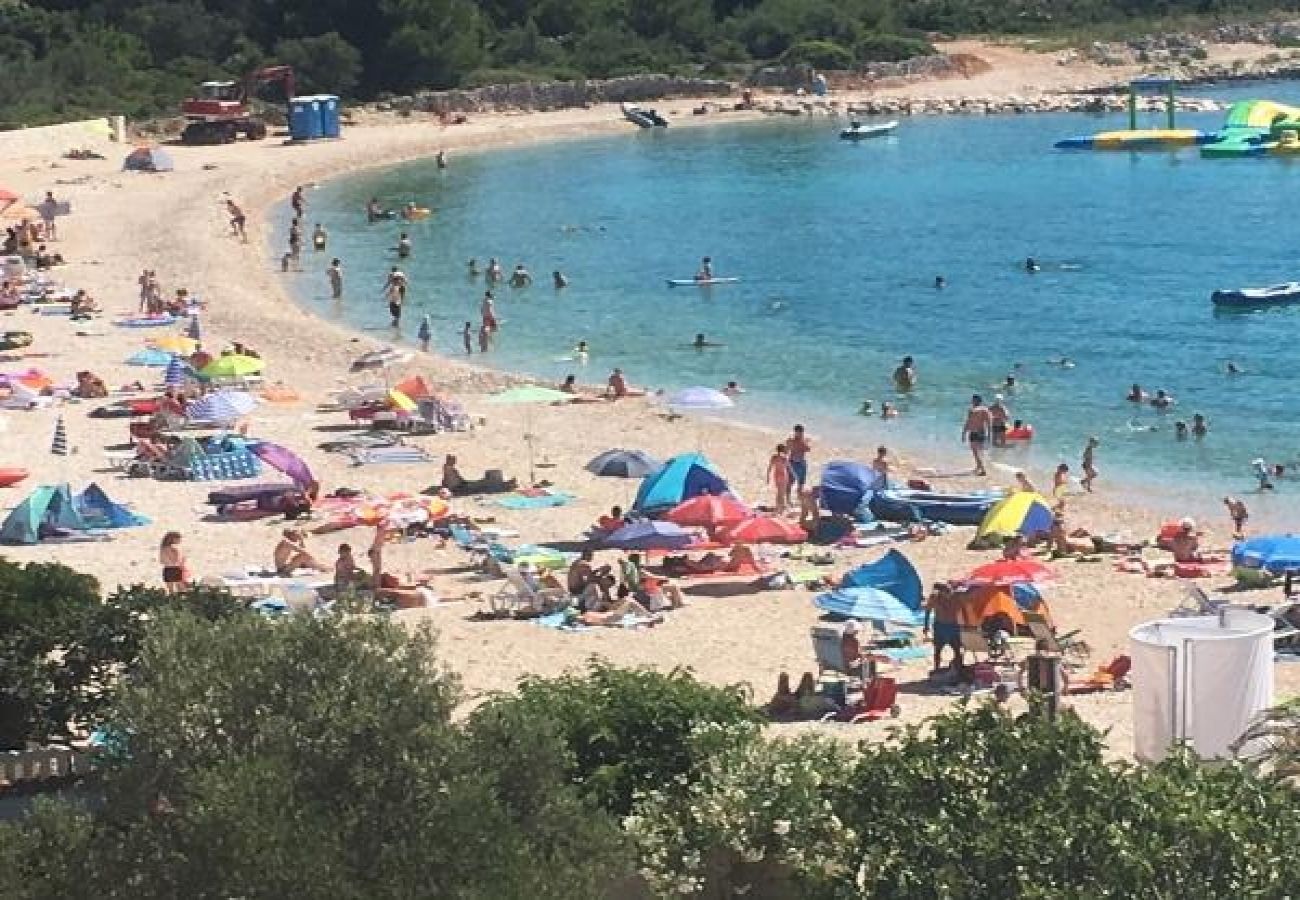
(232,366)
(529,395)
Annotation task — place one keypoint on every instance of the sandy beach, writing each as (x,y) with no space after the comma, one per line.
(175,223)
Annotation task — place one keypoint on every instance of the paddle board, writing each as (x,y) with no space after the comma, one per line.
(700,282)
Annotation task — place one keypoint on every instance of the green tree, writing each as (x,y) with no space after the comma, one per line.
(324,63)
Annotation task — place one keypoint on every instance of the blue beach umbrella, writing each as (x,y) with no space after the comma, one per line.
(650,536)
(222,406)
(150,357)
(866,603)
(1278,554)
(176,372)
(624,464)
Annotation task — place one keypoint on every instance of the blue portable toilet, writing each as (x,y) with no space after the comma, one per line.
(304,118)
(330,126)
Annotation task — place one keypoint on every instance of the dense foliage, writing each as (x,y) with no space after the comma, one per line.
(64,58)
(319,758)
(60,645)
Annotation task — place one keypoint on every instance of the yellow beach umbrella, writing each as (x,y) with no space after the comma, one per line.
(232,366)
(176,343)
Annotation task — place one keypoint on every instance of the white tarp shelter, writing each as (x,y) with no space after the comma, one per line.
(1200,680)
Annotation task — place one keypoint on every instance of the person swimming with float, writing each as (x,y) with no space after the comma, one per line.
(1031,265)
(1136,394)
(706,269)
(702,343)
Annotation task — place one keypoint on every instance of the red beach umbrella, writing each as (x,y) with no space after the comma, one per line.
(1007,572)
(708,511)
(763,530)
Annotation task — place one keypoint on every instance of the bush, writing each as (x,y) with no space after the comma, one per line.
(628,730)
(890,48)
(324,63)
(819,55)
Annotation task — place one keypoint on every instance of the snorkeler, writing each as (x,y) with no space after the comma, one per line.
(1031,265)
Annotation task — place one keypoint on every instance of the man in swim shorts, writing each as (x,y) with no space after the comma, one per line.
(905,375)
(335,273)
(998,415)
(799,447)
(944,606)
(976,430)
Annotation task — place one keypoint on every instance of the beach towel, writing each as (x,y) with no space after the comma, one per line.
(534,500)
(902,654)
(561,621)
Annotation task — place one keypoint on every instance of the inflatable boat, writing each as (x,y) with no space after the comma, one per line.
(1253,298)
(858,131)
(905,505)
(643,118)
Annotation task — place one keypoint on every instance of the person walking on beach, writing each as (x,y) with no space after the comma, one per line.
(467,336)
(425,334)
(298,202)
(881,465)
(1089,468)
(335,275)
(237,220)
(48,209)
(779,476)
(1239,514)
(998,416)
(172,559)
(975,431)
(799,447)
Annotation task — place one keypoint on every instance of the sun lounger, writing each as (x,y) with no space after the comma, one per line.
(397,454)
(542,500)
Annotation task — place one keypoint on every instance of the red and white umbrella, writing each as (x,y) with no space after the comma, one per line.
(1008,572)
(708,511)
(763,530)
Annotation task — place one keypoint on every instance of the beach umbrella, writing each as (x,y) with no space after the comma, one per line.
(59,443)
(529,395)
(18,212)
(866,603)
(763,530)
(1278,554)
(194,330)
(222,406)
(1008,572)
(284,460)
(232,365)
(709,511)
(175,343)
(624,464)
(177,370)
(400,401)
(650,536)
(151,356)
(699,399)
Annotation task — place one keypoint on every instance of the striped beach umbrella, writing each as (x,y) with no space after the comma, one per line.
(222,406)
(59,444)
(194,329)
(177,369)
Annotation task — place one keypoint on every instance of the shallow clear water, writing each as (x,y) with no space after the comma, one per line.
(838,245)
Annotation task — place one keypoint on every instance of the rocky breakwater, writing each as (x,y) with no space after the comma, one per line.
(544,95)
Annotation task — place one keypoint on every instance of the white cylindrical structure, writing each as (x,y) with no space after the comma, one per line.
(1200,680)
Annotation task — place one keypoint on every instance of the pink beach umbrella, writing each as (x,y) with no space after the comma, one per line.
(709,511)
(763,530)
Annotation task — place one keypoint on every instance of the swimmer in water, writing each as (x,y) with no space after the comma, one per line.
(733,389)
(1180,430)
(1261,473)
(319,237)
(701,343)
(1162,400)
(1061,362)
(1136,394)
(403,247)
(558,279)
(888,410)
(706,269)
(1010,384)
(1031,265)
(1200,427)
(1232,368)
(939,283)
(473,268)
(867,408)
(905,374)
(581,351)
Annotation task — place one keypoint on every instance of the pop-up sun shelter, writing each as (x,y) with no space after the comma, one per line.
(682,477)
(98,510)
(845,484)
(1024,512)
(52,510)
(894,574)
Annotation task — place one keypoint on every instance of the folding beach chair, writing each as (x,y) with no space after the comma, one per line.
(1069,646)
(519,597)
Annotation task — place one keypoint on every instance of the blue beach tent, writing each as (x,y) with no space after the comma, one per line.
(48,506)
(845,484)
(682,477)
(98,510)
(894,574)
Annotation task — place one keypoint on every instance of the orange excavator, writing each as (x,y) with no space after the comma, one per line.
(220,113)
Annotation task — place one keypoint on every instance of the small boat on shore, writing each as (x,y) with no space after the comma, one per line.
(643,118)
(906,505)
(1255,298)
(857,131)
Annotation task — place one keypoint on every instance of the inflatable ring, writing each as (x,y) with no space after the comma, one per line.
(419,212)
(12,340)
(1023,433)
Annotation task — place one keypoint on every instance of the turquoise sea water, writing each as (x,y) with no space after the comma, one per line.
(838,245)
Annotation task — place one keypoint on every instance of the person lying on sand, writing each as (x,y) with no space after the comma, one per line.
(617,389)
(1059,541)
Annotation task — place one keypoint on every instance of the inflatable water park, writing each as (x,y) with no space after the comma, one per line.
(1252,128)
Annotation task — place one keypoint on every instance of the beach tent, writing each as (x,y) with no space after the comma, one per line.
(894,574)
(845,484)
(682,477)
(98,510)
(148,159)
(1024,512)
(48,506)
(984,602)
